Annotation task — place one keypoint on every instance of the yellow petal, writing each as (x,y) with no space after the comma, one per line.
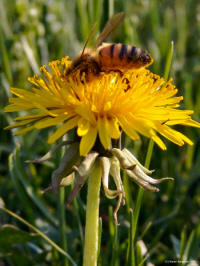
(86,112)
(13,108)
(24,130)
(52,121)
(21,93)
(83,126)
(27,117)
(128,129)
(141,125)
(41,107)
(159,142)
(88,140)
(22,103)
(191,123)
(183,137)
(170,134)
(19,124)
(63,129)
(113,128)
(102,129)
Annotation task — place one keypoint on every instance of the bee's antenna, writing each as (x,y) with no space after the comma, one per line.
(88,39)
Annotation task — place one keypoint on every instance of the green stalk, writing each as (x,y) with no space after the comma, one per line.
(141,190)
(62,222)
(92,218)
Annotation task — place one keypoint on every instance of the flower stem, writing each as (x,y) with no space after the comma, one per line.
(92,218)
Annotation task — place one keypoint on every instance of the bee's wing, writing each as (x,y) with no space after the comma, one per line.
(88,39)
(109,27)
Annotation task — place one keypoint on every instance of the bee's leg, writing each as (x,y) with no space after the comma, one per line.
(116,71)
(126,81)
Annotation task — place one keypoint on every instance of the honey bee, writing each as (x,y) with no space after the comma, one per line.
(106,57)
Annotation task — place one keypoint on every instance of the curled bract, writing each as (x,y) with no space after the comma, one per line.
(72,162)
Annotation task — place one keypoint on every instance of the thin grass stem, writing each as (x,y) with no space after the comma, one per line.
(62,223)
(53,244)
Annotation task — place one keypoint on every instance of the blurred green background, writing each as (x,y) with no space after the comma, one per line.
(33,33)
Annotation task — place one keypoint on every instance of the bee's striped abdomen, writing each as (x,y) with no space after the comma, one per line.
(121,56)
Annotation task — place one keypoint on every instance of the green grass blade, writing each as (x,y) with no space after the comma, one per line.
(155,239)
(131,256)
(91,11)
(5,20)
(5,56)
(174,211)
(80,227)
(127,192)
(176,245)
(149,153)
(195,243)
(30,54)
(111,223)
(30,191)
(183,242)
(138,254)
(53,244)
(98,6)
(20,191)
(62,226)
(113,230)
(146,229)
(192,245)
(110,8)
(84,20)
(137,211)
(114,246)
(143,261)
(188,246)
(182,29)
(168,62)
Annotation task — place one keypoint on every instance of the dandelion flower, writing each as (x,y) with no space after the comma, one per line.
(138,102)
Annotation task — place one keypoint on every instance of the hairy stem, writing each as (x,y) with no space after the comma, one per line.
(92,218)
